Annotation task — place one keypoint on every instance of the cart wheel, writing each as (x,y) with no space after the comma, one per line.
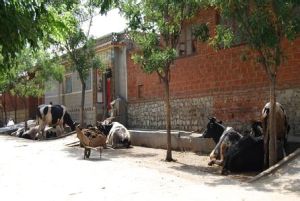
(87,153)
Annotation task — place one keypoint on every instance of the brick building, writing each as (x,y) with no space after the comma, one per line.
(206,82)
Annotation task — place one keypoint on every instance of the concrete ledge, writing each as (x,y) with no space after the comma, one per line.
(181,140)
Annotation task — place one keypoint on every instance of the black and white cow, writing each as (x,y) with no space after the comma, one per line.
(117,135)
(246,155)
(53,115)
(223,137)
(234,151)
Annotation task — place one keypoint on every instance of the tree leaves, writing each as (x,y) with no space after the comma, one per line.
(155,26)
(27,22)
(263,23)
(30,73)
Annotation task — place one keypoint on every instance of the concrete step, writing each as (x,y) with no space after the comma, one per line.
(181,140)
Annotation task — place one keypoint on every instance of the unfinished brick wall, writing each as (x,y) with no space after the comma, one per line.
(15,107)
(238,89)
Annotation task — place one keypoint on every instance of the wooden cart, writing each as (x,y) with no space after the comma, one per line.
(91,139)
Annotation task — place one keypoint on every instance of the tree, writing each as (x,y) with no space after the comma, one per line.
(264,24)
(25,23)
(81,54)
(155,26)
(29,74)
(80,48)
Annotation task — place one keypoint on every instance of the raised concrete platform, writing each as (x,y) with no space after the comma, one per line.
(181,140)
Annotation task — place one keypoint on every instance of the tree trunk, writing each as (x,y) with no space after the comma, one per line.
(272,124)
(168,120)
(4,109)
(16,107)
(104,92)
(25,112)
(82,104)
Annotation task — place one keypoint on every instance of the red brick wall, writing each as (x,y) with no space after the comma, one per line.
(240,89)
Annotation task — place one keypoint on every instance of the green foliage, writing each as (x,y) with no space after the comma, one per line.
(263,24)
(155,26)
(81,54)
(27,22)
(201,32)
(153,57)
(79,47)
(30,72)
(106,5)
(223,38)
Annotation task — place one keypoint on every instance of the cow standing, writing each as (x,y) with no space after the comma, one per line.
(53,115)
(282,128)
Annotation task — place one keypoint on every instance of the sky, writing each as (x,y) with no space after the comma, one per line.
(106,24)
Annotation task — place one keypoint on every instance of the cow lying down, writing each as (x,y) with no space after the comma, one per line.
(33,132)
(117,135)
(233,151)
(246,155)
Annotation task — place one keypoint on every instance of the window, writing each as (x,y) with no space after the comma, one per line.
(187,42)
(68,84)
(140,91)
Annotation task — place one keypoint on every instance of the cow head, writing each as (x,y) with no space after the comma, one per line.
(104,127)
(214,129)
(68,120)
(256,128)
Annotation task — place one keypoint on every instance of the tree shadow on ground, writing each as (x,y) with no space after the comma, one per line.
(153,158)
(78,153)
(283,179)
(107,154)
(196,169)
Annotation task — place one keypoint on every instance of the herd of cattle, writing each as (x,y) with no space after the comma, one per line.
(236,152)
(57,116)
(233,151)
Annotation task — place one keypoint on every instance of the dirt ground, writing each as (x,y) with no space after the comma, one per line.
(186,164)
(50,170)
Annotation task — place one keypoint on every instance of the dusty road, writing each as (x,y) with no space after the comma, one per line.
(49,170)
